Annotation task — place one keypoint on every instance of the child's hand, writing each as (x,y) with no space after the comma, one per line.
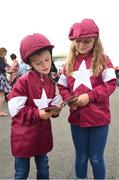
(56,111)
(83,100)
(45,115)
(73,105)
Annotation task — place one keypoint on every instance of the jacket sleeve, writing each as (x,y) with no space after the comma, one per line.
(103,91)
(63,87)
(100,93)
(17,104)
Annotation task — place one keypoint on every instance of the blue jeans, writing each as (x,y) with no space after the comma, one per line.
(89,144)
(22,167)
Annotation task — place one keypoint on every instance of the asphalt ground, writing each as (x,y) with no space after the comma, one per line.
(61,158)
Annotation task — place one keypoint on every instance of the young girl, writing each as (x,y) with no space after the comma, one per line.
(31,133)
(89,73)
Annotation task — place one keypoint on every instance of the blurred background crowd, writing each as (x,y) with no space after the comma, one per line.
(9,73)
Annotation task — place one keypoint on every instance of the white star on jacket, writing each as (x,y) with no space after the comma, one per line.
(43,102)
(82,76)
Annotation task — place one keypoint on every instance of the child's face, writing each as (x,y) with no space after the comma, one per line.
(41,62)
(84,45)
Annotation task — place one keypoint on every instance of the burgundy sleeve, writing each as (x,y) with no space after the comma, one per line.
(64,92)
(63,86)
(23,113)
(101,92)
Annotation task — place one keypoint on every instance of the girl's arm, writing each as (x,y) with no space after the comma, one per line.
(63,87)
(103,91)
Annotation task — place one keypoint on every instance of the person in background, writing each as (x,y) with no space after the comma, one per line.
(23,68)
(4,85)
(90,75)
(117,74)
(14,70)
(31,133)
(7,68)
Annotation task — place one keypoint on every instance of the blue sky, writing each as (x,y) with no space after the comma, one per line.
(53,18)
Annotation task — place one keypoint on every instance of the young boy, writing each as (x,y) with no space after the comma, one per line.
(31,133)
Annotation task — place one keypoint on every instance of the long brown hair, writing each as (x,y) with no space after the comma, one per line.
(99,61)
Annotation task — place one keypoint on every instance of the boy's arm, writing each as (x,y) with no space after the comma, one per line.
(17,99)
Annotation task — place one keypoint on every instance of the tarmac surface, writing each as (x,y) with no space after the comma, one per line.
(61,158)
